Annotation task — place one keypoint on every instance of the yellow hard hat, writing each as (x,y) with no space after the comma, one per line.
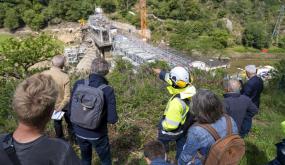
(283,126)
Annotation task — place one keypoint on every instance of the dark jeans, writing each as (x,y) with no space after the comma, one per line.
(101,146)
(59,130)
(179,144)
(246,126)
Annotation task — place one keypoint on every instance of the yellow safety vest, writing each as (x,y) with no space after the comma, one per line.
(176,109)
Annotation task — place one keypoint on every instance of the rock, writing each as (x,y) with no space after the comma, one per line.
(229,24)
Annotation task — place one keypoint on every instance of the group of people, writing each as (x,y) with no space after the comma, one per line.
(197,120)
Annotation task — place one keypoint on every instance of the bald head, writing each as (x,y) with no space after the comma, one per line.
(58,61)
(233,86)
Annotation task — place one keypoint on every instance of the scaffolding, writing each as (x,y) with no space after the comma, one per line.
(139,52)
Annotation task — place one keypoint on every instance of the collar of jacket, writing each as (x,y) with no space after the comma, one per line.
(98,78)
(231,94)
(55,68)
(187,92)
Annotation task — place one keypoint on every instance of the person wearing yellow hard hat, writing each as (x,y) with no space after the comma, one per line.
(177,117)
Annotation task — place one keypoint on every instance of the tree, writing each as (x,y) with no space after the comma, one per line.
(18,55)
(109,6)
(255,35)
(12,20)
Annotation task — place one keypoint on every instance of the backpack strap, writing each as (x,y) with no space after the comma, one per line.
(8,146)
(101,87)
(211,130)
(229,125)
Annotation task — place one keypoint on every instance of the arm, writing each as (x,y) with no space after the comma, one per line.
(252,109)
(248,89)
(70,99)
(191,147)
(66,97)
(112,116)
(173,116)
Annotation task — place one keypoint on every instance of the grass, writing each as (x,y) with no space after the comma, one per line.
(141,100)
(4,37)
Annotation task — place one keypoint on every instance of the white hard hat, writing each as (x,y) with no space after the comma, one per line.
(179,74)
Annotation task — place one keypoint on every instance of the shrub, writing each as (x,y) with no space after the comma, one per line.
(255,35)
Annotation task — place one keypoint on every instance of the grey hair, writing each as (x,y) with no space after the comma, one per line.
(100,66)
(58,61)
(233,86)
(251,69)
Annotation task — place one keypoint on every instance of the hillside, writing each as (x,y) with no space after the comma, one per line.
(187,25)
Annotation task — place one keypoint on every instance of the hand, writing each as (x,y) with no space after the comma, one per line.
(58,109)
(155,70)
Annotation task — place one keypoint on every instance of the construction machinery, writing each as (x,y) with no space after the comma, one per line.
(276,31)
(143,15)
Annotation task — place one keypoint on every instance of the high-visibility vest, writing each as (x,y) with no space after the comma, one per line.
(174,114)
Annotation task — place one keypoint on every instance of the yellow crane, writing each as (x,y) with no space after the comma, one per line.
(143,15)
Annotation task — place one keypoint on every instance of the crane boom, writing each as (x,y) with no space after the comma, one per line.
(143,14)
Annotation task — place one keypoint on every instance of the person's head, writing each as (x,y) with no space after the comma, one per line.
(58,61)
(154,150)
(34,100)
(179,77)
(207,106)
(250,70)
(232,85)
(100,66)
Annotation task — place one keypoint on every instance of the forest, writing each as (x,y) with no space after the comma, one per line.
(186,25)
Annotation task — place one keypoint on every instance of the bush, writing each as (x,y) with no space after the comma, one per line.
(220,36)
(12,20)
(109,6)
(255,35)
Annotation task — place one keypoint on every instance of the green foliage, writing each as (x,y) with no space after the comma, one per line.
(7,121)
(12,20)
(33,20)
(255,35)
(279,75)
(109,6)
(220,36)
(20,54)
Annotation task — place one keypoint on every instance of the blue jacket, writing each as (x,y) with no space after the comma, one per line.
(238,107)
(199,139)
(110,115)
(159,161)
(253,89)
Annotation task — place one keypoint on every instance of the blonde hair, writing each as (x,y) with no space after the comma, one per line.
(34,100)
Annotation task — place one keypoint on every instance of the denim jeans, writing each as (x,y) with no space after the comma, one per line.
(179,145)
(246,126)
(101,146)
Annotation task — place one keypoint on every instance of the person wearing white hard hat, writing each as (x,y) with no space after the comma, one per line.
(177,116)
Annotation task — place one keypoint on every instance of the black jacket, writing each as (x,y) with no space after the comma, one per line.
(253,89)
(238,107)
(42,151)
(110,115)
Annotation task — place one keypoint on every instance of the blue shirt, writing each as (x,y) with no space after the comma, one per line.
(159,161)
(199,139)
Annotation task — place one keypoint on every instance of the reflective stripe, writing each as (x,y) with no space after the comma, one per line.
(183,107)
(171,133)
(171,122)
(87,138)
